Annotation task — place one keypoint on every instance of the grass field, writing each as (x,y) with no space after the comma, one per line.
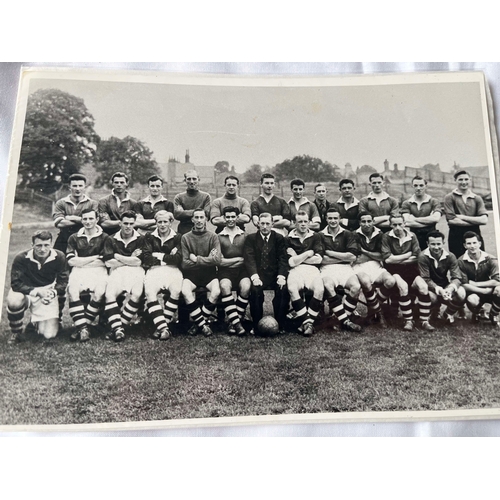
(55,382)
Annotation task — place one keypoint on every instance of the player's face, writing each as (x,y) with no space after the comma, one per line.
(377,185)
(472,245)
(333,219)
(398,225)
(435,246)
(163,224)
(127,226)
(419,187)
(192,181)
(77,188)
(347,191)
(119,184)
(230,218)
(268,186)
(155,188)
(302,223)
(298,192)
(41,248)
(89,220)
(231,187)
(463,182)
(320,193)
(366,223)
(199,220)
(265,225)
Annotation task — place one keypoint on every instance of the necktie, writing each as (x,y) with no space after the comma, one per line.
(265,253)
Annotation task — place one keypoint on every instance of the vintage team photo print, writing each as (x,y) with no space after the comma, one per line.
(190,247)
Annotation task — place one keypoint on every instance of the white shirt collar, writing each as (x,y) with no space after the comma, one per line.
(469,195)
(326,233)
(406,237)
(81,232)
(376,231)
(382,196)
(413,199)
(302,202)
(148,199)
(118,236)
(482,257)
(237,231)
(157,235)
(355,201)
(127,196)
(443,255)
(52,256)
(68,199)
(294,234)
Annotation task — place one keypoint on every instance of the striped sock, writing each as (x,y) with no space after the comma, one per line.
(241,305)
(424,306)
(372,301)
(15,317)
(77,313)
(299,306)
(208,308)
(156,313)
(405,305)
(129,311)
(383,293)
(350,304)
(313,310)
(112,312)
(495,306)
(230,308)
(337,308)
(196,314)
(171,306)
(61,298)
(92,310)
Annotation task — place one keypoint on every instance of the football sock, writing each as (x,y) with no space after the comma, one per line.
(15,317)
(241,305)
(350,304)
(196,314)
(313,309)
(208,308)
(129,311)
(230,308)
(495,306)
(299,306)
(156,313)
(337,308)
(77,313)
(405,305)
(424,306)
(92,310)
(112,312)
(171,306)
(372,301)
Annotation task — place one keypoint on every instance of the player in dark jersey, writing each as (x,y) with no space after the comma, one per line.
(348,205)
(299,202)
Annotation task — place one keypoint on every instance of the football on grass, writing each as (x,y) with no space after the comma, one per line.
(268,326)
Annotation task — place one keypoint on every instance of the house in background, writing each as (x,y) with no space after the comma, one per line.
(173,171)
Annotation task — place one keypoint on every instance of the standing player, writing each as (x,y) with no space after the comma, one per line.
(298,202)
(480,278)
(348,205)
(113,206)
(151,205)
(435,264)
(379,203)
(230,199)
(322,204)
(400,251)
(305,250)
(85,257)
(465,211)
(162,258)
(38,277)
(266,261)
(340,251)
(68,211)
(268,203)
(421,212)
(122,254)
(186,203)
(200,256)
(232,271)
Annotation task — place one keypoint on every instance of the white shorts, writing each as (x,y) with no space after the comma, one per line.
(162,278)
(303,275)
(372,268)
(41,311)
(87,278)
(340,273)
(123,278)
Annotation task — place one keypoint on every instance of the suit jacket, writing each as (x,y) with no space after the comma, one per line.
(277,256)
(323,223)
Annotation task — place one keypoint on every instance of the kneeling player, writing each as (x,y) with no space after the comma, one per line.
(38,277)
(200,256)
(162,259)
(85,257)
(122,254)
(305,250)
(233,274)
(480,278)
(434,265)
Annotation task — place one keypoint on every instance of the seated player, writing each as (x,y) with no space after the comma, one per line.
(480,278)
(266,261)
(435,264)
(400,251)
(88,273)
(305,250)
(122,255)
(340,251)
(38,277)
(200,257)
(232,273)
(162,258)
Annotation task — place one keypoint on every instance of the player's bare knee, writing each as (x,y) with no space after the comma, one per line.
(460,294)
(245,286)
(225,287)
(16,300)
(473,300)
(496,291)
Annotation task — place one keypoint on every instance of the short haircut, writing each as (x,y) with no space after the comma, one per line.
(301,213)
(165,213)
(130,214)
(318,185)
(155,178)
(345,181)
(471,234)
(265,215)
(374,175)
(297,182)
(456,175)
(191,172)
(397,216)
(419,178)
(227,210)
(266,176)
(88,210)
(435,234)
(332,210)
(41,235)
(363,214)
(119,174)
(199,209)
(77,177)
(232,177)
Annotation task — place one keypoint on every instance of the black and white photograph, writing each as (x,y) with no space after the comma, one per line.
(205,249)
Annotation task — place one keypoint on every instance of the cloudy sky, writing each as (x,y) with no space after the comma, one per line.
(409,124)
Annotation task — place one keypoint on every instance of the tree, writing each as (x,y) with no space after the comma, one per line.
(129,155)
(252,174)
(305,167)
(58,139)
(221,167)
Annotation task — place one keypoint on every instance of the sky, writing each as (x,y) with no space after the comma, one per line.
(407,124)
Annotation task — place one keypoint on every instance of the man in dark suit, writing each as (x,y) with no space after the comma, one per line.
(322,204)
(266,261)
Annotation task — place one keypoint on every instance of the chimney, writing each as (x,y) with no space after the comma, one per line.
(187,156)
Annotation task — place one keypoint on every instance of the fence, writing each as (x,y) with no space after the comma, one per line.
(43,203)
